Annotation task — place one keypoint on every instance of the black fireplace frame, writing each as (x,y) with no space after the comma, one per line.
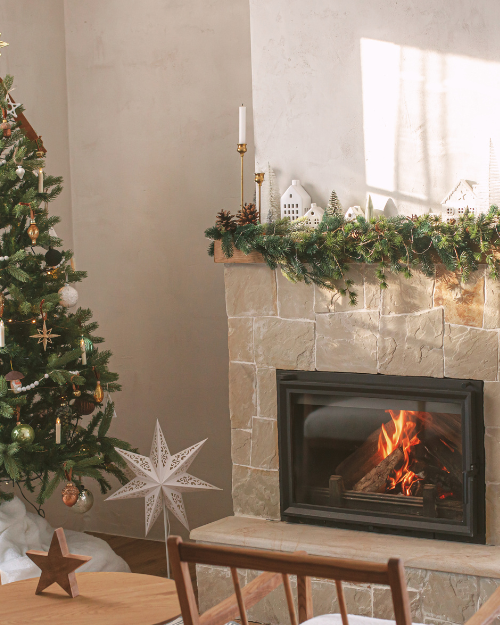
(468,392)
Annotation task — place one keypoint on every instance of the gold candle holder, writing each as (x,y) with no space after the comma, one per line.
(242,148)
(259,179)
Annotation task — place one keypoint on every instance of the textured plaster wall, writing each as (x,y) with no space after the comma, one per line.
(151,92)
(396,99)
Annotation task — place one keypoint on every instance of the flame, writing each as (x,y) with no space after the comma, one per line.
(405,435)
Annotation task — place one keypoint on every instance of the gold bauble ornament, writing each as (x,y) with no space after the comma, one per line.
(70,494)
(98,393)
(33,232)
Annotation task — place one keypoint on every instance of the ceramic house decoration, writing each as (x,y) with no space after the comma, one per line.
(464,195)
(314,215)
(295,202)
(353,212)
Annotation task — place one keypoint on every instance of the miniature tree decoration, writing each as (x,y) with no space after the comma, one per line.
(51,385)
(334,206)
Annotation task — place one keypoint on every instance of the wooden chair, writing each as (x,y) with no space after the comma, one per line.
(277,568)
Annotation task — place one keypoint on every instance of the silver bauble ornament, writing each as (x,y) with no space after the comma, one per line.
(20,171)
(68,296)
(84,502)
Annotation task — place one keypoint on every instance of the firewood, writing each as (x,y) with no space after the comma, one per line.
(446,426)
(375,481)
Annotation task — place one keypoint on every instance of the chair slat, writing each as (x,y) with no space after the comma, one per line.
(289,599)
(304,593)
(400,599)
(342,604)
(239,596)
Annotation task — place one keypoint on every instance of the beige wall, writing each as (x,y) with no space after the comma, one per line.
(153,90)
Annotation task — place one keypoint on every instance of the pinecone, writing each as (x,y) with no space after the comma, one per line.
(248,215)
(225,221)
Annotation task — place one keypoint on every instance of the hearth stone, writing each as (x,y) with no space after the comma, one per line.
(284,343)
(470,353)
(405,296)
(242,394)
(463,301)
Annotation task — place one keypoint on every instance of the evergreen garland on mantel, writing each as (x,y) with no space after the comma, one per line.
(397,244)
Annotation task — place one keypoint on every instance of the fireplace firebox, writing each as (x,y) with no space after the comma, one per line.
(402,455)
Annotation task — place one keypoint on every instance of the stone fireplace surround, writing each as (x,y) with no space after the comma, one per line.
(421,327)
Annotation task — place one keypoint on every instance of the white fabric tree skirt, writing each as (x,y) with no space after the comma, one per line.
(21,530)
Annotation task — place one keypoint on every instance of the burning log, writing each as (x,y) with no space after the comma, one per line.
(375,481)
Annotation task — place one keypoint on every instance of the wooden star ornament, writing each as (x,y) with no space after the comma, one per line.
(44,336)
(58,565)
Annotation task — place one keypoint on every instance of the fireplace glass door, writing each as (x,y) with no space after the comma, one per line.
(385,455)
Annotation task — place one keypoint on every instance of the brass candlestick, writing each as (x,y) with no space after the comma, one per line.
(242,148)
(259,179)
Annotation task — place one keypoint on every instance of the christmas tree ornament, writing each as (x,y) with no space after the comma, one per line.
(22,433)
(58,565)
(70,492)
(33,231)
(20,171)
(68,296)
(76,391)
(248,215)
(108,400)
(98,393)
(40,154)
(5,125)
(334,207)
(58,431)
(15,377)
(84,406)
(83,351)
(161,479)
(84,502)
(53,258)
(44,336)
(225,221)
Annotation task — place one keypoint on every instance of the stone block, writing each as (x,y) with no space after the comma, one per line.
(415,578)
(250,290)
(373,292)
(273,609)
(358,598)
(347,342)
(470,353)
(407,295)
(412,344)
(256,492)
(241,445)
(492,303)
(450,597)
(493,514)
(284,343)
(264,444)
(492,454)
(384,608)
(215,585)
(295,300)
(242,394)
(327,301)
(463,302)
(240,338)
(487,587)
(267,404)
(492,404)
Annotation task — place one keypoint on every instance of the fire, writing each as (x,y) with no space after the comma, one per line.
(405,435)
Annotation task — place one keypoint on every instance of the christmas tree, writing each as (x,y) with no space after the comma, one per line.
(52,373)
(334,206)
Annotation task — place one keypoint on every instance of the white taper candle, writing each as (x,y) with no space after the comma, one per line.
(84,352)
(2,333)
(40,180)
(243,125)
(58,431)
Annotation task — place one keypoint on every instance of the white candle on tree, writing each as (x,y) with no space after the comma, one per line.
(58,431)
(243,125)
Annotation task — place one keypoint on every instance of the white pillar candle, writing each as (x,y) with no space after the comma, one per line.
(2,333)
(58,431)
(40,180)
(243,125)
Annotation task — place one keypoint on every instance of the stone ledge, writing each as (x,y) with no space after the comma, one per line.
(417,553)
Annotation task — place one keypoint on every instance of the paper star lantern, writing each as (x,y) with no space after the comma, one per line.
(161,479)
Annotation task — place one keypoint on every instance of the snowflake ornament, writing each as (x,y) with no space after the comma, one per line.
(161,479)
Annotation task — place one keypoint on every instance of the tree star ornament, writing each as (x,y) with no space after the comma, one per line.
(58,565)
(161,479)
(44,336)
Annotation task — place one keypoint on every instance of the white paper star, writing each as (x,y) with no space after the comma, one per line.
(161,479)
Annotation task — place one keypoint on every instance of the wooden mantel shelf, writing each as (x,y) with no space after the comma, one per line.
(237,257)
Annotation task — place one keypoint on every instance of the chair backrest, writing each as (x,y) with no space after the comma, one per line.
(277,567)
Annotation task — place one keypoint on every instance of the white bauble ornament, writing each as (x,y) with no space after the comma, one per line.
(68,296)
(84,502)
(20,171)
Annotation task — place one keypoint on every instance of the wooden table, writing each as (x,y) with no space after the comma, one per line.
(105,599)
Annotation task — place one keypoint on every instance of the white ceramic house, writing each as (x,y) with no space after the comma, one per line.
(295,202)
(353,212)
(314,215)
(465,195)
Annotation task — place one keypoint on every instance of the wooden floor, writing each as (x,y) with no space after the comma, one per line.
(143,556)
